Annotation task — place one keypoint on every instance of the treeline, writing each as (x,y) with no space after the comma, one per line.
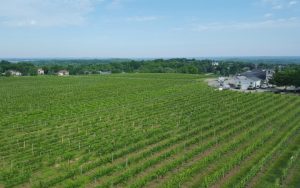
(288,77)
(27,69)
(76,67)
(188,66)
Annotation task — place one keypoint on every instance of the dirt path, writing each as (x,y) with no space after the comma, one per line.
(213,82)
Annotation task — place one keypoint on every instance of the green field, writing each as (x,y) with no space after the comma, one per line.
(144,130)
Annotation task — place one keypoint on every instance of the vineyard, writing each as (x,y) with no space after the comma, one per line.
(144,130)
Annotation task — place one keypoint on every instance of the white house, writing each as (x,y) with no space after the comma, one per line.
(14,73)
(104,72)
(63,73)
(40,72)
(215,63)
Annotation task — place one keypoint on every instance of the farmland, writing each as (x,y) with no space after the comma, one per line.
(144,130)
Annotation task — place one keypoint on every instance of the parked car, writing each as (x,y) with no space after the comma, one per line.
(264,86)
(226,87)
(251,87)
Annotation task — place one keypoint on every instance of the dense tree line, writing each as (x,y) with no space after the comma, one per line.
(288,77)
(26,69)
(189,66)
(76,67)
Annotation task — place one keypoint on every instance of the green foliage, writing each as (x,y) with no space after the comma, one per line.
(179,65)
(68,156)
(26,69)
(289,77)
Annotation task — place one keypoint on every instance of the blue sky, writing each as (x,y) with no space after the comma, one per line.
(149,28)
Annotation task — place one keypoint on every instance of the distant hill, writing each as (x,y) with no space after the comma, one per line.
(252,59)
(266,60)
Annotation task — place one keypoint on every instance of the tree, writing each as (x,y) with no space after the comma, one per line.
(7,73)
(286,78)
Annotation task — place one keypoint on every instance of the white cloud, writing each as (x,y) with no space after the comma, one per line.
(142,18)
(280,4)
(45,12)
(177,29)
(268,15)
(275,4)
(292,3)
(114,4)
(277,7)
(268,24)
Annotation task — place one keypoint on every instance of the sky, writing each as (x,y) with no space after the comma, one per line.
(148,28)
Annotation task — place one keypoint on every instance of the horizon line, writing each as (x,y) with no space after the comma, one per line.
(185,57)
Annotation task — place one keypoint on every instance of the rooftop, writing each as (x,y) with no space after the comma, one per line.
(255,74)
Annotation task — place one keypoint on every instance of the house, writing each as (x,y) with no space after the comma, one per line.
(104,72)
(14,73)
(215,63)
(40,72)
(63,73)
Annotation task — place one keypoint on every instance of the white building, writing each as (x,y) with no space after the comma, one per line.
(63,73)
(215,63)
(14,73)
(269,75)
(40,72)
(244,83)
(221,79)
(104,72)
(253,79)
